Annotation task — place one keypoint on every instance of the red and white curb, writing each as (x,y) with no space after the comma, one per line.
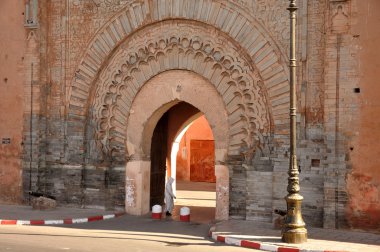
(258,245)
(59,222)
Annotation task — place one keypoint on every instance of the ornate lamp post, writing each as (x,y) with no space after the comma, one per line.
(294,230)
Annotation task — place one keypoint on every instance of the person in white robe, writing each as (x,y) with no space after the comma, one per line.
(169,197)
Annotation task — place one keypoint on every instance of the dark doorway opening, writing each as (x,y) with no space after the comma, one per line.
(158,156)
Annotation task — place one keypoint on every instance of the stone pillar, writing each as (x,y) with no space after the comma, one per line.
(222,192)
(137,187)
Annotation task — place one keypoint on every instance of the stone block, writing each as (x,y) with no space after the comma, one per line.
(43,203)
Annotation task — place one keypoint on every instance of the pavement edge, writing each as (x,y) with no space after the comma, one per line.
(258,245)
(62,221)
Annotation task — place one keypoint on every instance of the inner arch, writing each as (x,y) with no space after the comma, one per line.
(146,112)
(195,178)
(195,90)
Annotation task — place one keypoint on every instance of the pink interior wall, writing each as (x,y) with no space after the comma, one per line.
(199,130)
(178,116)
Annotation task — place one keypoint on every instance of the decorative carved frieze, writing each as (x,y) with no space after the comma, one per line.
(170,46)
(339,16)
(272,15)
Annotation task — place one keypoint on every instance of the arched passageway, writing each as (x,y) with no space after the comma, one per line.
(183,127)
(193,159)
(149,73)
(161,148)
(181,106)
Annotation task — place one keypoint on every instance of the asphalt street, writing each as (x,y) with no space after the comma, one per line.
(126,233)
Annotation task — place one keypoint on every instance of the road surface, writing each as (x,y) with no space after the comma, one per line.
(126,233)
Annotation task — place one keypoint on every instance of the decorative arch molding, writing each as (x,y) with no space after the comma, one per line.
(229,19)
(197,49)
(195,90)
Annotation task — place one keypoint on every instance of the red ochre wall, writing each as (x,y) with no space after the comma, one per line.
(364,181)
(199,130)
(12,49)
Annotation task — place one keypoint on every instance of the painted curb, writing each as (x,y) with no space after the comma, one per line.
(61,222)
(259,245)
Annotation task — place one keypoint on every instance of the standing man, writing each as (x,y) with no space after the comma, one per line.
(169,197)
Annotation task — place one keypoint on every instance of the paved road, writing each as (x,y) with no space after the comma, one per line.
(125,233)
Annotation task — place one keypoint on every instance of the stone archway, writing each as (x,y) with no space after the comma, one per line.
(232,24)
(205,52)
(247,75)
(194,90)
(167,48)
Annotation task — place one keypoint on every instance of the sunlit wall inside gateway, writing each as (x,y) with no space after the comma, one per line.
(193,153)
(197,140)
(193,166)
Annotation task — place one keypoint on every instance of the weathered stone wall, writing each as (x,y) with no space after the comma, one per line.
(87,60)
(339,63)
(311,146)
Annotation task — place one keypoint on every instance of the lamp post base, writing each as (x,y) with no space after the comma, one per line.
(294,230)
(298,235)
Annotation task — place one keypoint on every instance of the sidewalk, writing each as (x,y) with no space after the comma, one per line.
(263,236)
(26,215)
(249,234)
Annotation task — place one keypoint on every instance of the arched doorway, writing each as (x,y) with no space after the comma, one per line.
(206,67)
(184,127)
(145,119)
(158,157)
(193,163)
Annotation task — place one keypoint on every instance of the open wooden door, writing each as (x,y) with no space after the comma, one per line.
(158,155)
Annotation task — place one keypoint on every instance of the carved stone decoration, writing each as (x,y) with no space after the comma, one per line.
(314,92)
(230,21)
(90,15)
(340,18)
(169,46)
(100,6)
(272,14)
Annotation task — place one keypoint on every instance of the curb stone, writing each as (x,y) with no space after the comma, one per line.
(259,245)
(63,221)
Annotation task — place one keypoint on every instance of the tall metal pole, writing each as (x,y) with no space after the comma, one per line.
(294,230)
